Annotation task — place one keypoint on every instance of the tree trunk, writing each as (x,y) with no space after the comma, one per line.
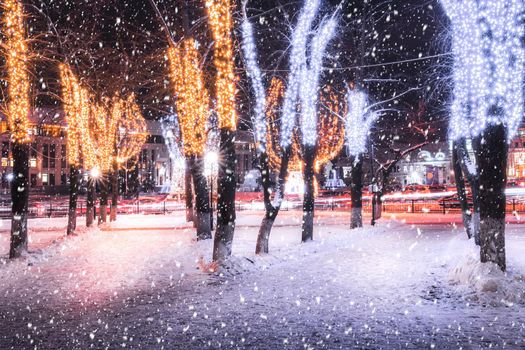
(114,193)
(356,219)
(471,172)
(74,173)
(460,187)
(19,198)
(90,202)
(104,196)
(492,180)
(187,190)
(271,209)
(309,193)
(226,187)
(202,199)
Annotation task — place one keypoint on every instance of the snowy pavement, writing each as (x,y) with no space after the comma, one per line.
(136,284)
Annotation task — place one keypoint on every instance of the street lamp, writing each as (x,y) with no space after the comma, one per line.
(211,161)
(95,173)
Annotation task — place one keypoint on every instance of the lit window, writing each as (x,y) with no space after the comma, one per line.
(32,163)
(4,162)
(44,179)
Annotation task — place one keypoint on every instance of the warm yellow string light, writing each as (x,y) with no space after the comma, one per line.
(100,132)
(103,133)
(132,131)
(221,24)
(17,62)
(191,95)
(76,102)
(274,151)
(331,130)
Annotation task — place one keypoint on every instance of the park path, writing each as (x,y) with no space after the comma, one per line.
(383,287)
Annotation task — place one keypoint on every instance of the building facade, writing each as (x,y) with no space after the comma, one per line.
(49,168)
(431,165)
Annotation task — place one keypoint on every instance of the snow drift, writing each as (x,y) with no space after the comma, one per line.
(486,283)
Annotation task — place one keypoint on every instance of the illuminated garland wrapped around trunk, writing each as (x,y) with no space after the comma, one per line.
(359,119)
(221,25)
(16,47)
(192,105)
(75,102)
(488,74)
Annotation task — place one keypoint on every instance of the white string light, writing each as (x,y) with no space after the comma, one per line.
(359,121)
(297,62)
(489,65)
(310,76)
(171,134)
(254,72)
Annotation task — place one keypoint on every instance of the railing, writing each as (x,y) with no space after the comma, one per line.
(43,210)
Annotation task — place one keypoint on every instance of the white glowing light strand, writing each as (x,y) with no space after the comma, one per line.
(254,72)
(297,62)
(359,121)
(310,81)
(171,134)
(489,65)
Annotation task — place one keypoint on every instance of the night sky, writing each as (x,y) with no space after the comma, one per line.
(120,45)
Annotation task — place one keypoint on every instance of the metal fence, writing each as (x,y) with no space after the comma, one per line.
(52,209)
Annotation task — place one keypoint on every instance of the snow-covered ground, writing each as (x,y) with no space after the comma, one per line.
(136,283)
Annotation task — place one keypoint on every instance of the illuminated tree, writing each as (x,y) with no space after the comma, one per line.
(359,120)
(309,92)
(488,75)
(16,48)
(290,96)
(221,25)
(172,139)
(330,128)
(131,136)
(76,107)
(273,147)
(192,105)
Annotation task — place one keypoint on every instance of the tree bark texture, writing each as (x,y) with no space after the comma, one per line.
(19,198)
(188,193)
(461,190)
(270,209)
(114,193)
(104,196)
(74,173)
(226,187)
(309,193)
(471,173)
(356,219)
(492,159)
(202,199)
(90,202)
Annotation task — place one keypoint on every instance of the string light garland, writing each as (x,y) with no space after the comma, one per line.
(191,95)
(273,147)
(76,105)
(16,46)
(254,72)
(132,129)
(297,61)
(331,128)
(359,121)
(489,65)
(221,25)
(171,134)
(310,76)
